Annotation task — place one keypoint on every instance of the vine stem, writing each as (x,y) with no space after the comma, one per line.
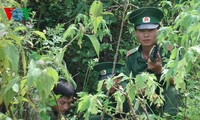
(66,46)
(54,96)
(86,78)
(120,35)
(134,116)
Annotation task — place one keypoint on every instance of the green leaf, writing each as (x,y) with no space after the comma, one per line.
(189,56)
(95,43)
(29,101)
(3,17)
(2,53)
(83,18)
(80,42)
(8,97)
(100,84)
(24,61)
(10,84)
(96,9)
(151,84)
(93,105)
(59,57)
(167,3)
(108,13)
(15,4)
(137,104)
(34,55)
(67,75)
(71,31)
(41,34)
(109,83)
(44,84)
(96,23)
(119,97)
(196,48)
(173,53)
(84,103)
(4,117)
(140,81)
(20,29)
(16,38)
(131,90)
(53,73)
(13,56)
(25,3)
(33,73)
(2,29)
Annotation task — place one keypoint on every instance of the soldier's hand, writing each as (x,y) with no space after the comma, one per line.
(155,67)
(115,86)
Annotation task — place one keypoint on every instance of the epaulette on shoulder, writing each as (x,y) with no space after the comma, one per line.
(132,51)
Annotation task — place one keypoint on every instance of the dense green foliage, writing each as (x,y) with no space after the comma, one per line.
(66,38)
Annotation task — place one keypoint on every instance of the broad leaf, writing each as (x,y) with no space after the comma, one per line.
(22,28)
(13,56)
(140,81)
(16,38)
(131,90)
(59,57)
(84,103)
(41,34)
(25,2)
(45,84)
(53,73)
(70,32)
(96,23)
(196,48)
(33,73)
(11,84)
(96,9)
(95,43)
(109,83)
(120,98)
(100,84)
(93,105)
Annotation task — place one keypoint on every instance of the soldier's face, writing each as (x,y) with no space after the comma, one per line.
(64,103)
(147,37)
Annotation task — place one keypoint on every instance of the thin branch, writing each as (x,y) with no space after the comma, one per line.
(134,116)
(59,114)
(120,35)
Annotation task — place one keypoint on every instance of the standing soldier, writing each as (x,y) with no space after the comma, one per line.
(140,59)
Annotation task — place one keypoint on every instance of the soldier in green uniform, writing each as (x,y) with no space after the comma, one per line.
(105,70)
(146,21)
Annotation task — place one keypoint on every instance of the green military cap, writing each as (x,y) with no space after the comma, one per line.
(146,18)
(105,69)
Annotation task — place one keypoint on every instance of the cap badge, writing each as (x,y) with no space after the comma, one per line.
(103,72)
(146,19)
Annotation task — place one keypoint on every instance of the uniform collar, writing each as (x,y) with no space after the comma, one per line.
(139,56)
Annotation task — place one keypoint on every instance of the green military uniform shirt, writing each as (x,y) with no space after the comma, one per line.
(136,64)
